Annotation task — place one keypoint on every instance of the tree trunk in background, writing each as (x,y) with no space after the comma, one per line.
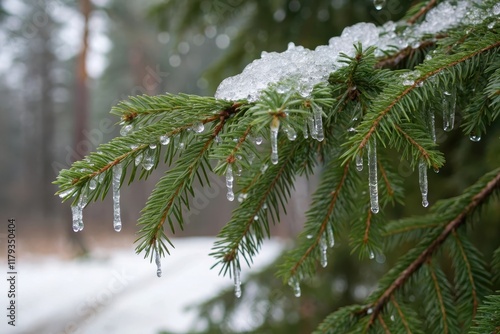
(81,105)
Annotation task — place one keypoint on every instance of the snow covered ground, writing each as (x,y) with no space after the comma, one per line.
(117,291)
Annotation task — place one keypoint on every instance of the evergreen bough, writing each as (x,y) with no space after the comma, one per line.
(196,136)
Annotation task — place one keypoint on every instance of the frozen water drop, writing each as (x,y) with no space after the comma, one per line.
(331,237)
(198,127)
(369,311)
(148,161)
(133,147)
(65,193)
(237,281)
(290,132)
(242,197)
(92,184)
(379,4)
(117,175)
(371,255)
(323,247)
(264,168)
(474,137)
(309,236)
(359,162)
(158,263)
(264,206)
(164,140)
(423,183)
(126,129)
(372,175)
(229,182)
(138,159)
(152,146)
(256,217)
(312,128)
(275,125)
(258,140)
(295,284)
(449,105)
(392,317)
(305,131)
(230,195)
(318,122)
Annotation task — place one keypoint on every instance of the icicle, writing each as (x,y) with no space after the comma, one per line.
(138,159)
(422,180)
(198,127)
(372,175)
(126,129)
(229,182)
(331,237)
(323,248)
(359,162)
(237,281)
(295,284)
(117,175)
(305,131)
(92,184)
(318,122)
(148,161)
(164,140)
(158,263)
(275,125)
(312,128)
(433,126)
(449,104)
(77,212)
(379,4)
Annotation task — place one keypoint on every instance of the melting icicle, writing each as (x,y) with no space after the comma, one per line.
(138,159)
(331,237)
(295,284)
(92,184)
(126,129)
(158,263)
(433,126)
(359,162)
(77,211)
(117,175)
(290,132)
(372,175)
(275,125)
(305,131)
(323,248)
(164,140)
(148,161)
(314,132)
(449,104)
(229,182)
(318,122)
(198,127)
(237,281)
(422,180)
(379,4)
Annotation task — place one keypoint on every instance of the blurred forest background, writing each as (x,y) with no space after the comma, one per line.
(64,64)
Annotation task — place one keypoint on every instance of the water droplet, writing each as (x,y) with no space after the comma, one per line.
(264,168)
(295,284)
(158,263)
(372,175)
(152,146)
(242,197)
(371,255)
(474,137)
(379,4)
(258,140)
(318,122)
(369,311)
(351,131)
(309,236)
(164,140)
(66,193)
(392,317)
(237,281)
(290,132)
(449,105)
(92,184)
(117,175)
(126,129)
(491,25)
(133,147)
(305,131)
(148,161)
(359,162)
(198,127)
(255,217)
(422,180)
(275,125)
(264,206)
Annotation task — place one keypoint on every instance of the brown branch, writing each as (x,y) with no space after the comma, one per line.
(422,12)
(416,84)
(324,223)
(460,219)
(423,151)
(368,224)
(390,191)
(382,322)
(401,314)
